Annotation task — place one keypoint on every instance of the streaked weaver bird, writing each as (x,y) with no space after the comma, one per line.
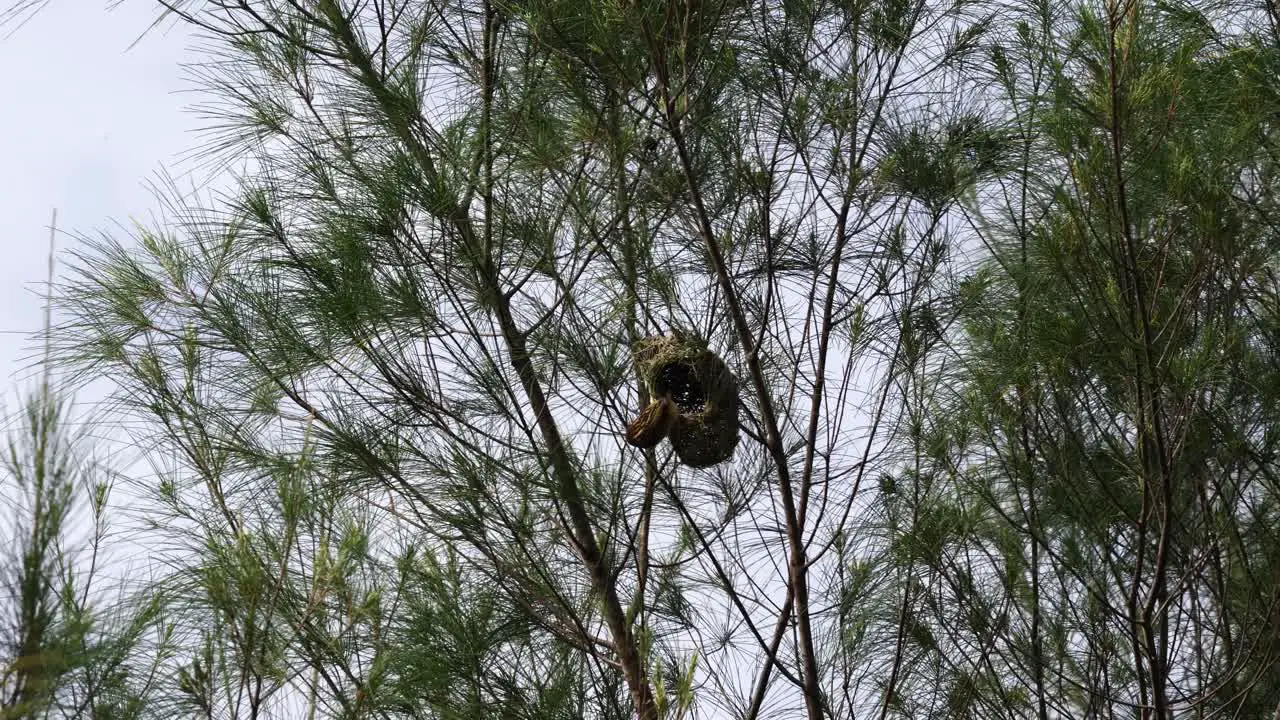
(654,423)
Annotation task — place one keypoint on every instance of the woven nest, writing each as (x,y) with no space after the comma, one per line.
(705,432)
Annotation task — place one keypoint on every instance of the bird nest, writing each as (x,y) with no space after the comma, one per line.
(704,391)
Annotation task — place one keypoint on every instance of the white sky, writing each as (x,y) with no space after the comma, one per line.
(85,122)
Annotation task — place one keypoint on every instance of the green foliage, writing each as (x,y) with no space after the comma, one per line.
(1103,342)
(996,287)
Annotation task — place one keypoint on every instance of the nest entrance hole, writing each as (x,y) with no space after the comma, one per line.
(679,380)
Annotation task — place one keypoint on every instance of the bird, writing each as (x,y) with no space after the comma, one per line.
(654,423)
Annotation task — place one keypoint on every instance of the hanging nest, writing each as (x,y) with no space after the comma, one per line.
(695,401)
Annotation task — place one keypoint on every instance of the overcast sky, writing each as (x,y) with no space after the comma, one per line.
(85,122)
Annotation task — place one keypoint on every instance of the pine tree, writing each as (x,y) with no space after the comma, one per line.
(994,287)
